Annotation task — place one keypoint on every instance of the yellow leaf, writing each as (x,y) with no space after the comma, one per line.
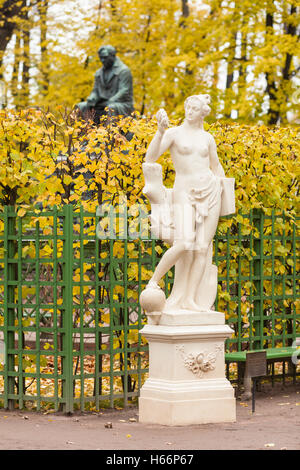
(21,212)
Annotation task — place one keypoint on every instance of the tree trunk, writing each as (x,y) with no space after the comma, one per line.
(44,65)
(273,112)
(185,10)
(9,11)
(15,75)
(291,30)
(229,77)
(26,59)
(144,82)
(243,64)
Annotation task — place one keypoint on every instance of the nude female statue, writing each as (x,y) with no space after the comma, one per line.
(195,204)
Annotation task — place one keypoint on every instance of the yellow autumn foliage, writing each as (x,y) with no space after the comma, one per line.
(50,160)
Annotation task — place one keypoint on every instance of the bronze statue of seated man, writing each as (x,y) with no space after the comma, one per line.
(112,93)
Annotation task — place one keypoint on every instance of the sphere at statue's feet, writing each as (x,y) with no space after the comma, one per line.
(152,299)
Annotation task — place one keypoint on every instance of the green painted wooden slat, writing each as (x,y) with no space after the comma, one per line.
(271,353)
(67,310)
(8,304)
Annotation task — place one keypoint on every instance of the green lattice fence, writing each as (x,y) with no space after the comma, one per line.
(69,311)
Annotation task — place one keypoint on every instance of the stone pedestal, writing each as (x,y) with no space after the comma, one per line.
(187,383)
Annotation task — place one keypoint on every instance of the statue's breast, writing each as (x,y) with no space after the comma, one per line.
(194,150)
(184,148)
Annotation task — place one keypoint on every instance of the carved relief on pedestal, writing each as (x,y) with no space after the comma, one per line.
(200,363)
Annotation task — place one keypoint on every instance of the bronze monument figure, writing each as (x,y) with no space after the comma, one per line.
(113,92)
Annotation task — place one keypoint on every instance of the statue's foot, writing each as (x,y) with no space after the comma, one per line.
(173,304)
(190,304)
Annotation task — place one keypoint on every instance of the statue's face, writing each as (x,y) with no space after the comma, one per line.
(193,110)
(197,107)
(107,59)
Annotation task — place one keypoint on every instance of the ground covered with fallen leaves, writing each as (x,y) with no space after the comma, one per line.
(275,425)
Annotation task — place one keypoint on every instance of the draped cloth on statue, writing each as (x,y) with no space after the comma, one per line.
(202,199)
(197,203)
(206,195)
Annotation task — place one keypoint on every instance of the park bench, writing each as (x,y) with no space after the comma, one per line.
(273,355)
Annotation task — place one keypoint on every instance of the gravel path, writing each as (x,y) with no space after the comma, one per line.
(274,425)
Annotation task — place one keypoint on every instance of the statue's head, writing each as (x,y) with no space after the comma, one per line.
(197,105)
(107,55)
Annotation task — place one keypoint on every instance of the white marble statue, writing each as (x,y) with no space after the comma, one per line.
(187,215)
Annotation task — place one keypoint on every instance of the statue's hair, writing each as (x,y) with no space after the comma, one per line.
(201,98)
(110,49)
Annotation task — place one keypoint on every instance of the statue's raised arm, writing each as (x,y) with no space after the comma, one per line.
(162,140)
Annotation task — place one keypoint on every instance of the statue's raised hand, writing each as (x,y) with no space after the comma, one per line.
(162,120)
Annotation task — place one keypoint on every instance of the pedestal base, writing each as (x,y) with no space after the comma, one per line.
(187,383)
(211,401)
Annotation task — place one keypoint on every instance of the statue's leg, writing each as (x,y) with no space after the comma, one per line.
(182,270)
(168,260)
(184,216)
(204,236)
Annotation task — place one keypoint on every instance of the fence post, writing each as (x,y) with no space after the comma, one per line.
(9,304)
(258,272)
(67,310)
